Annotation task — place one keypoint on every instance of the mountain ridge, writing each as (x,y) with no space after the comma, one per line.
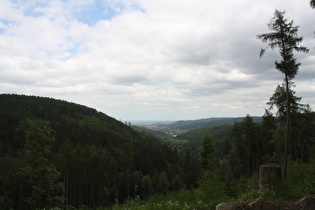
(183,126)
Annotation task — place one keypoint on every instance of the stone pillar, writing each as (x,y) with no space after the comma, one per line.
(269,174)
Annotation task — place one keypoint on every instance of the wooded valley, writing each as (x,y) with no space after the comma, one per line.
(60,154)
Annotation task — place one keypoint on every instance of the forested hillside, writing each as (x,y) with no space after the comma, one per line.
(167,131)
(159,134)
(208,122)
(194,137)
(60,154)
(55,153)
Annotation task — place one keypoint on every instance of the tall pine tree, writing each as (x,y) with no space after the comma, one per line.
(284,36)
(206,153)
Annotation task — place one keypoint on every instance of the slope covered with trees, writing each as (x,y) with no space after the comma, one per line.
(193,138)
(188,125)
(208,122)
(55,154)
(158,134)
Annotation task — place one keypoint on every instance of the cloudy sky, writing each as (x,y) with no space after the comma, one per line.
(150,59)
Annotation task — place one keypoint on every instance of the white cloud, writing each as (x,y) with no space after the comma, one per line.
(149,59)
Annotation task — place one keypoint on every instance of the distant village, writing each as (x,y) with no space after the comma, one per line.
(166,129)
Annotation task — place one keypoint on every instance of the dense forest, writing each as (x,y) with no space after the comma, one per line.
(55,153)
(60,154)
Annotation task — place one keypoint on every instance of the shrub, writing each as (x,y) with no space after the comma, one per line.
(211,188)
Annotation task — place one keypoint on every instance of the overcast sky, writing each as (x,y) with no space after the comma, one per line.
(150,59)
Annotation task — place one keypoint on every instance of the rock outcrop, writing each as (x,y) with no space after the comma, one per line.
(228,206)
(262,203)
(306,203)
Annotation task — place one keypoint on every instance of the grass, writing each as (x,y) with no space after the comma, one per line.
(183,199)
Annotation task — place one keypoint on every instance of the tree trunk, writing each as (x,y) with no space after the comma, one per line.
(4,195)
(302,152)
(67,186)
(295,149)
(128,190)
(248,159)
(20,196)
(288,128)
(269,174)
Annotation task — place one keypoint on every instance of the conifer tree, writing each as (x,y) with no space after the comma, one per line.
(46,191)
(206,153)
(284,36)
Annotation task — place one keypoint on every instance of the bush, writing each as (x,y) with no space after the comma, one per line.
(250,189)
(300,180)
(183,199)
(211,189)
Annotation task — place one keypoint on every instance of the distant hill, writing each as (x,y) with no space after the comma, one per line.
(21,106)
(208,122)
(180,127)
(158,134)
(187,134)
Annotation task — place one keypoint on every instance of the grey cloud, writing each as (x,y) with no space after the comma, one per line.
(176,58)
(128,80)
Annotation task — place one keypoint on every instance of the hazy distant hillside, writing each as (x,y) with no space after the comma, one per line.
(180,127)
(208,122)
(158,134)
(188,134)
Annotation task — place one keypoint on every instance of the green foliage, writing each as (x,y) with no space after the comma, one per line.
(248,189)
(10,178)
(247,148)
(206,154)
(147,186)
(301,180)
(183,199)
(179,143)
(300,183)
(71,155)
(177,183)
(190,125)
(268,127)
(211,188)
(46,191)
(302,124)
(158,134)
(279,100)
(191,170)
(163,184)
(212,191)
(253,194)
(278,142)
(193,138)
(284,36)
